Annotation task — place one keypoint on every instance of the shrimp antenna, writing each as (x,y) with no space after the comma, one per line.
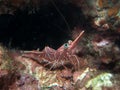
(58,10)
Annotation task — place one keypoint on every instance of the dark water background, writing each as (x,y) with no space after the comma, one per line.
(44,27)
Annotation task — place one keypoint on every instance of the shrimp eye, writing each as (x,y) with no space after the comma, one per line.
(66,45)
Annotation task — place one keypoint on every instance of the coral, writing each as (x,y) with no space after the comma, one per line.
(7,62)
(102,80)
(103,14)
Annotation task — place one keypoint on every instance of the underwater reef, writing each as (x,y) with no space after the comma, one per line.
(59,45)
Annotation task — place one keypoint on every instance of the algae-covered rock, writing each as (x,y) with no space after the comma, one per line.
(102,80)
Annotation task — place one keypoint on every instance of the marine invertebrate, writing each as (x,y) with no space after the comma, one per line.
(62,57)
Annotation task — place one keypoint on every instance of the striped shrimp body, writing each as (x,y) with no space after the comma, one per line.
(62,57)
